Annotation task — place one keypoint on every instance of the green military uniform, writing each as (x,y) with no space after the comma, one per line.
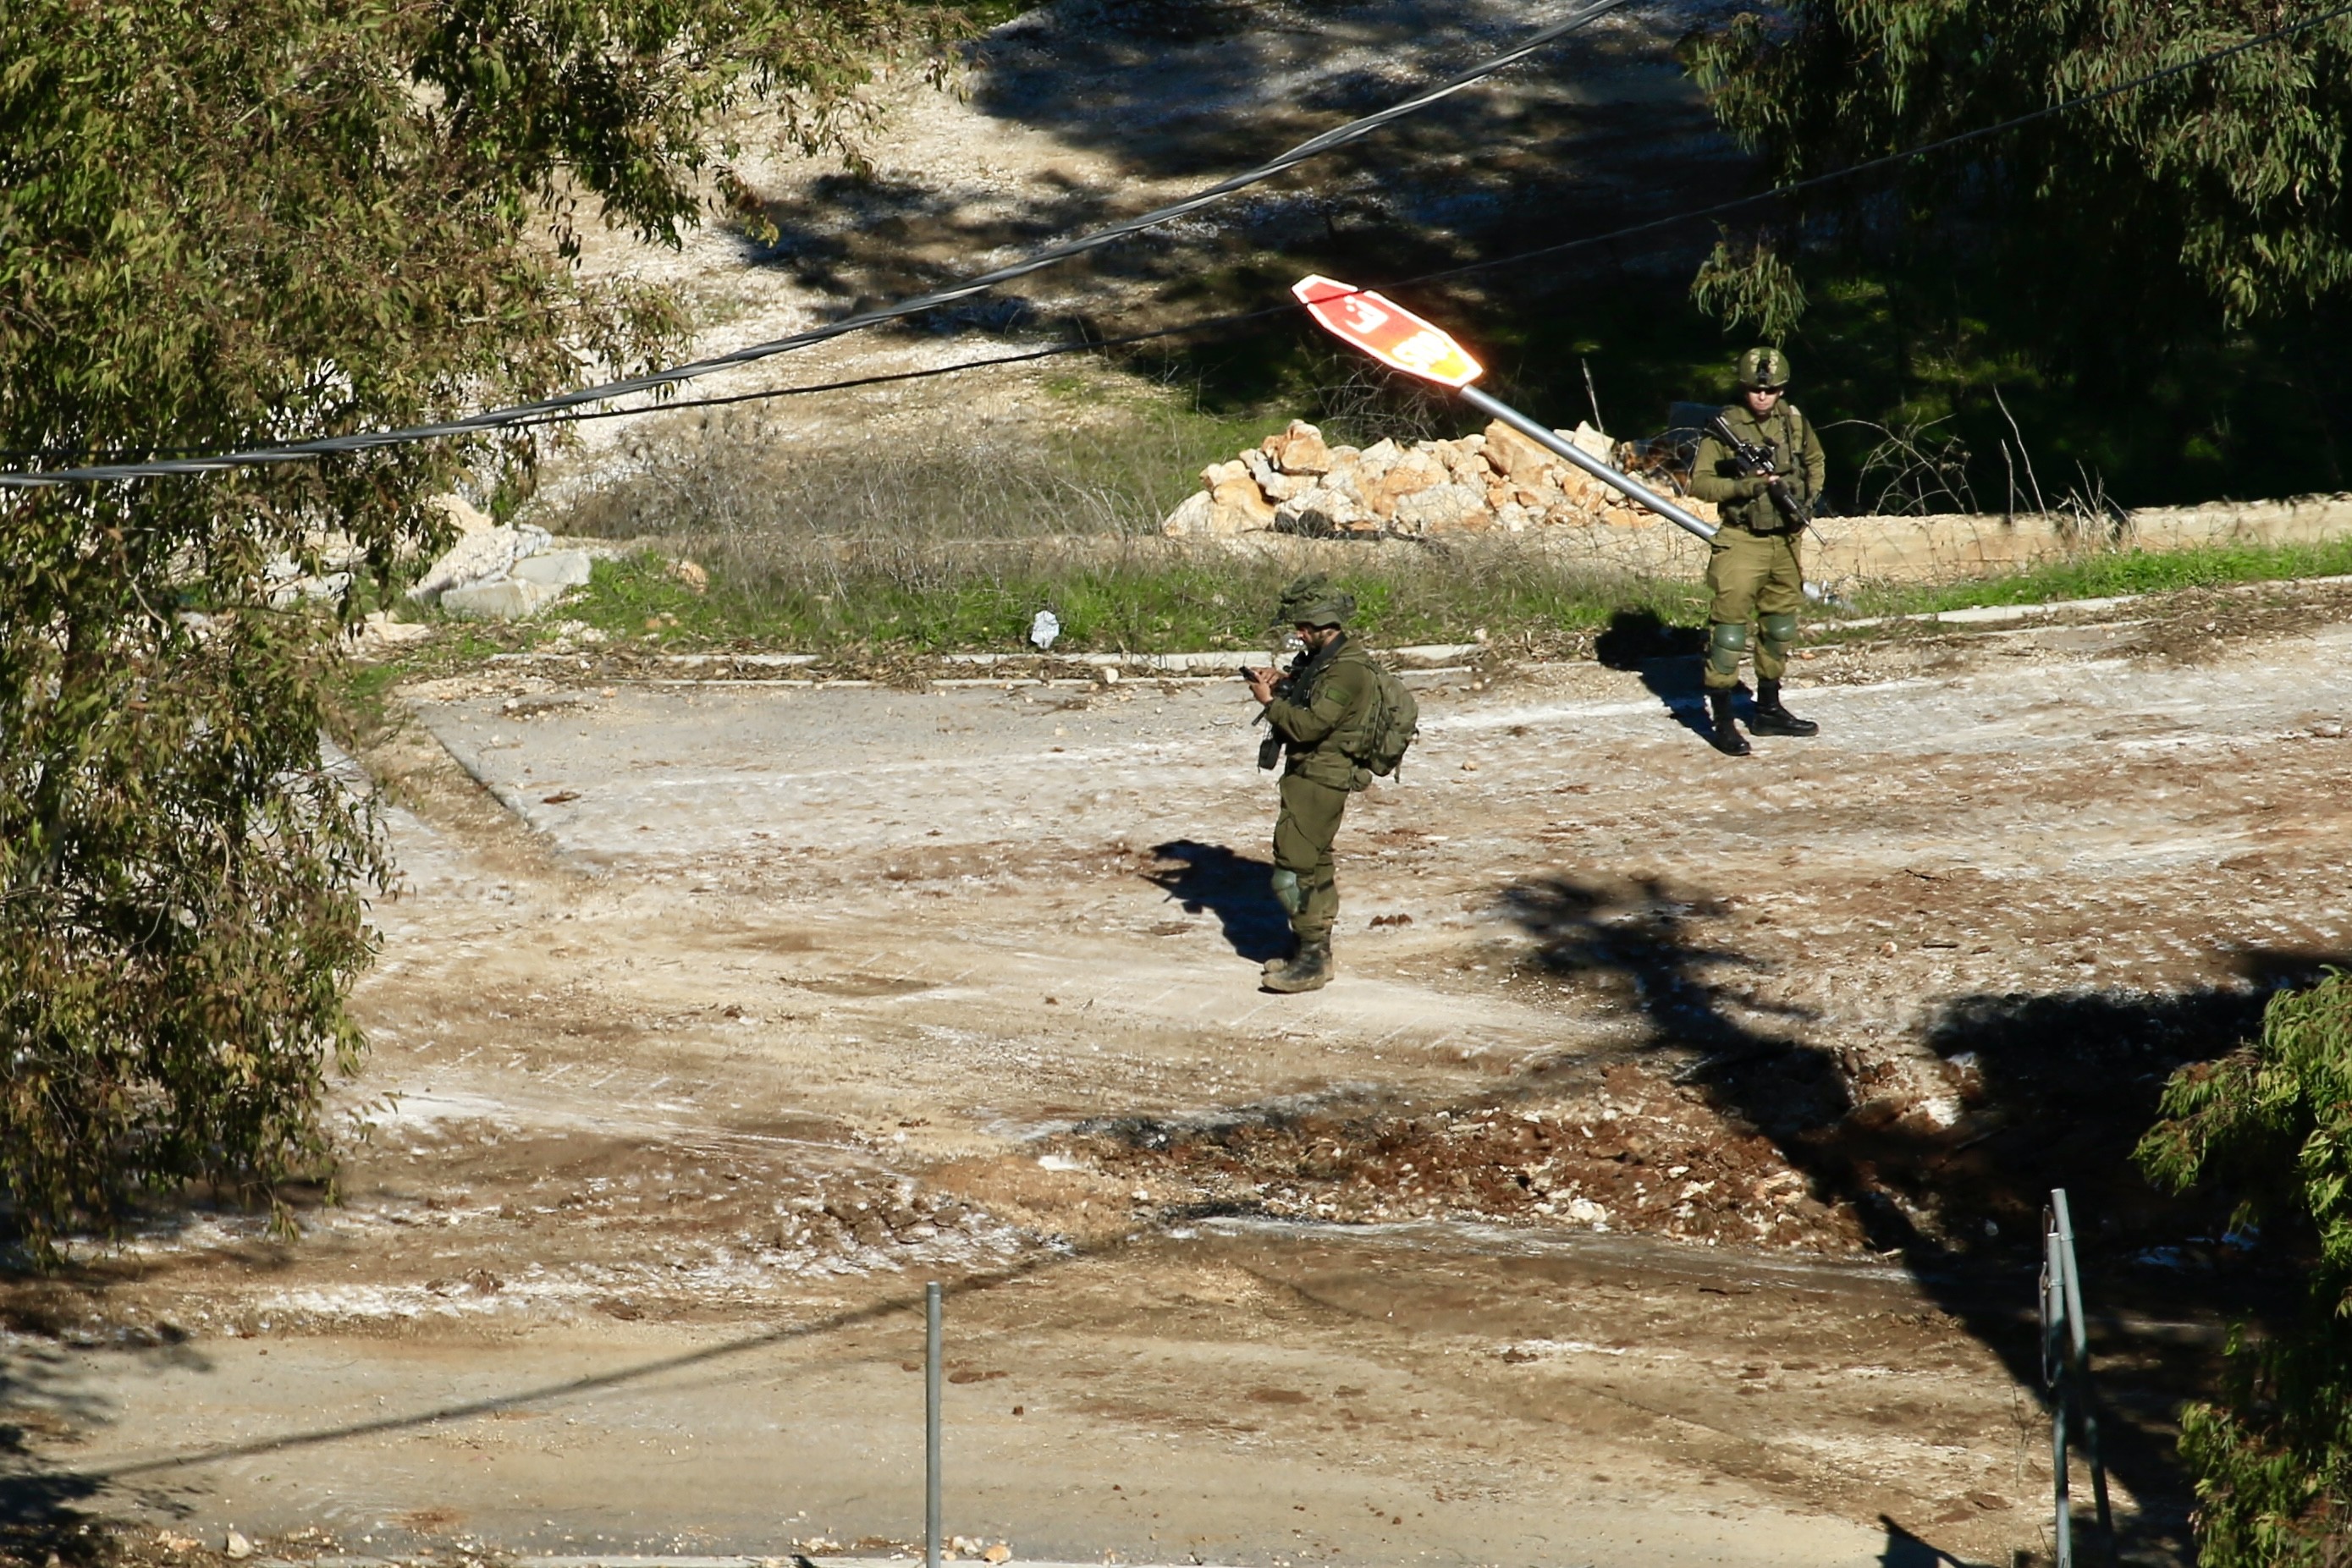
(1754,567)
(1323,724)
(1323,717)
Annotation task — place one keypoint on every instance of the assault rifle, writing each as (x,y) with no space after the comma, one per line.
(1269,749)
(1756,463)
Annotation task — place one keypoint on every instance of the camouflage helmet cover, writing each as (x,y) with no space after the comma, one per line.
(1763,368)
(1312,601)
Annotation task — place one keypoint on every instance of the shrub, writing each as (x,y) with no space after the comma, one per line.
(2271,1123)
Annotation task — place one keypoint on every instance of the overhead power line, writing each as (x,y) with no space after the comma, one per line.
(1585,242)
(539,411)
(571,408)
(887,378)
(1927,148)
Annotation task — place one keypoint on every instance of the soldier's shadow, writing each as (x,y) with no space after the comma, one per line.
(1234,888)
(1669,659)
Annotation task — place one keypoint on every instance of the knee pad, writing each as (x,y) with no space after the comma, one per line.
(1778,632)
(1726,641)
(1289,894)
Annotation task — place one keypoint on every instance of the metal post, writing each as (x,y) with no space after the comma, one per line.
(2078,1362)
(931,1425)
(1552,441)
(1639,494)
(2053,1376)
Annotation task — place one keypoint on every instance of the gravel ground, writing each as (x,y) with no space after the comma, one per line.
(754,1004)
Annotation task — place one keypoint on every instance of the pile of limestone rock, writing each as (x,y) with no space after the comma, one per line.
(1496,481)
(499,571)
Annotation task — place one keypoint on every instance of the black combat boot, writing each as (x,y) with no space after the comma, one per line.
(1727,736)
(1772,718)
(1309,971)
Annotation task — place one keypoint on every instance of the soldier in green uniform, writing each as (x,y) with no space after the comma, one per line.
(1321,714)
(1755,572)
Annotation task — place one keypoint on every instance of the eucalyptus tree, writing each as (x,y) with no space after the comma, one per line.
(2271,1124)
(2188,234)
(227,224)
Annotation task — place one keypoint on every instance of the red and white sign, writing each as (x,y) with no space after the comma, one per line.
(1388,331)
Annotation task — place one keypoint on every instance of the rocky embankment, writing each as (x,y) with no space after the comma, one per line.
(1498,482)
(499,571)
(1495,481)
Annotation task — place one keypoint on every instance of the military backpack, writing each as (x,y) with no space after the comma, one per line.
(1394,723)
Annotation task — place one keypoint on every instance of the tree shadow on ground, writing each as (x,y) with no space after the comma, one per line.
(1184,88)
(1234,888)
(43,1511)
(1603,130)
(1904,1550)
(1667,658)
(2049,1091)
(43,1515)
(41,1507)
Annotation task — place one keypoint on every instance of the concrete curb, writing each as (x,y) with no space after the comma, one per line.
(1417,675)
(1993,614)
(621,1559)
(1414,656)
(1418,656)
(1423,659)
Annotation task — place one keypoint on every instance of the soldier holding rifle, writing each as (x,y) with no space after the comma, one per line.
(1762,465)
(1323,717)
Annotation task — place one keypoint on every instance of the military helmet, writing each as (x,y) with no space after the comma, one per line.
(1763,368)
(1312,601)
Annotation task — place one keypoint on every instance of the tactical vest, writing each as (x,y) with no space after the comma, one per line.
(1783,429)
(1333,759)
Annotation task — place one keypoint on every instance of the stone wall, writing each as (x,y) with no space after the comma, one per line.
(1293,490)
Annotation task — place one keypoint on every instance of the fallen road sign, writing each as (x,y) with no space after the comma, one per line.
(1388,331)
(1403,342)
(1552,441)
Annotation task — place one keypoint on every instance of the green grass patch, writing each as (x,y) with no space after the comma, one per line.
(1149,601)
(641,597)
(2112,574)
(1141,597)
(905,547)
(358,699)
(358,692)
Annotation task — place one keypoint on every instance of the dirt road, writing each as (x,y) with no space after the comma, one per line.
(1651,1187)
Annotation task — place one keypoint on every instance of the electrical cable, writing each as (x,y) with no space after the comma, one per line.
(884,378)
(564,410)
(1890,159)
(536,411)
(1217,323)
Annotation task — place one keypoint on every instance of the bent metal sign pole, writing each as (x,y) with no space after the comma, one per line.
(1403,342)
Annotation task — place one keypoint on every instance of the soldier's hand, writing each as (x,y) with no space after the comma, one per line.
(1260,683)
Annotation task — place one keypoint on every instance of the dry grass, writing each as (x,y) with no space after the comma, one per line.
(1117,474)
(958,547)
(953,547)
